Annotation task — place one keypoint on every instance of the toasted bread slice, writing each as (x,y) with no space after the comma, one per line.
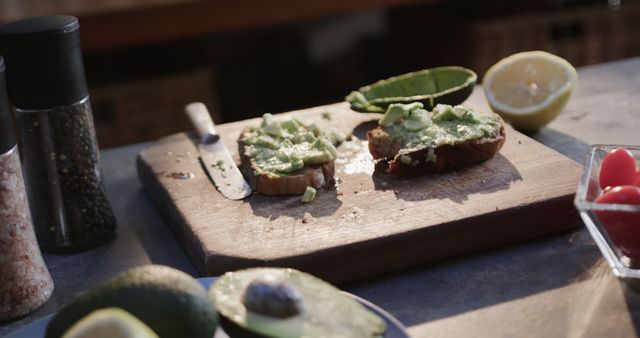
(284,157)
(431,159)
(295,183)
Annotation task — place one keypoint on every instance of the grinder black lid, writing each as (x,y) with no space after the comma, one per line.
(7,136)
(43,61)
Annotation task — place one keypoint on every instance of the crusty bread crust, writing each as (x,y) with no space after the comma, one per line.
(296,183)
(448,157)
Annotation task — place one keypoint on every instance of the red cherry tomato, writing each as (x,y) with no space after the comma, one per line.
(623,227)
(625,194)
(617,168)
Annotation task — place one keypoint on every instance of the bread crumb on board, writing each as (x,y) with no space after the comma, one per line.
(354,214)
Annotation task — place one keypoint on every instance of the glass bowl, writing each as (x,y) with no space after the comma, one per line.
(609,239)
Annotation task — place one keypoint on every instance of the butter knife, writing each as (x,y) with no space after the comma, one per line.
(217,161)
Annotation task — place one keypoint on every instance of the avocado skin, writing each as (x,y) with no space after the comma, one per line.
(452,99)
(170,302)
(430,100)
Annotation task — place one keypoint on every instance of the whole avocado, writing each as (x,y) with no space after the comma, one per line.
(170,302)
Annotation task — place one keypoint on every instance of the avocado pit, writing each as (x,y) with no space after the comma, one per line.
(272,297)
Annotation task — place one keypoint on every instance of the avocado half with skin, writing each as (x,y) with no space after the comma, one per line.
(170,302)
(286,303)
(448,85)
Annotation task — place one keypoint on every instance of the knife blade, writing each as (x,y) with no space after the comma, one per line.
(215,157)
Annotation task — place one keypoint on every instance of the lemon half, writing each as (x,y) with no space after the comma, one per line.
(529,89)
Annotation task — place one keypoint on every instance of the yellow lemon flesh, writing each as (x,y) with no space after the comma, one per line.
(110,323)
(529,89)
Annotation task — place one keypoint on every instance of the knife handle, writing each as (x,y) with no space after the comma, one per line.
(201,120)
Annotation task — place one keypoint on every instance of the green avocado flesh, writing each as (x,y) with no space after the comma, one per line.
(110,323)
(419,128)
(168,301)
(447,85)
(280,147)
(309,195)
(320,309)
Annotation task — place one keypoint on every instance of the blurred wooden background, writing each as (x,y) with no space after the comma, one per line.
(145,59)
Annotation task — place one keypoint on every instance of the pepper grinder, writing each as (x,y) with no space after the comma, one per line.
(60,155)
(25,283)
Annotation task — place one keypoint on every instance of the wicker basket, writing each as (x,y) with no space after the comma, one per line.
(581,35)
(149,109)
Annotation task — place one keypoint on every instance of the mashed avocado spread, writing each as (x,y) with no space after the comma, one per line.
(278,148)
(446,124)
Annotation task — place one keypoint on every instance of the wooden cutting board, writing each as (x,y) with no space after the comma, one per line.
(372,222)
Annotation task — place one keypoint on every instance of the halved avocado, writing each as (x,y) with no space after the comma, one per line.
(170,302)
(284,303)
(110,323)
(448,85)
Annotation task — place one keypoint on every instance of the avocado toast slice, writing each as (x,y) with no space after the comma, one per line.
(416,141)
(284,157)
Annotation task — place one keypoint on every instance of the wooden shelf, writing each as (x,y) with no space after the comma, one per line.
(108,24)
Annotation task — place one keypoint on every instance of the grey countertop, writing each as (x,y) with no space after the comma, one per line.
(555,286)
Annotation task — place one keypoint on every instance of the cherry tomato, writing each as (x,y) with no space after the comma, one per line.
(625,194)
(623,227)
(617,168)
